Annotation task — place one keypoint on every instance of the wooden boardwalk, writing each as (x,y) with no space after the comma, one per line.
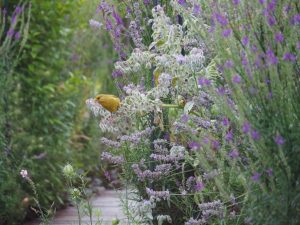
(108,203)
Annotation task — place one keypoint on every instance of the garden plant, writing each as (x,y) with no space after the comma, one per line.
(206,123)
(197,101)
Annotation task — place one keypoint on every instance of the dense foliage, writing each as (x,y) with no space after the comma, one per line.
(44,82)
(206,132)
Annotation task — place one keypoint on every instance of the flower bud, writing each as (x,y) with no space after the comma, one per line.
(68,171)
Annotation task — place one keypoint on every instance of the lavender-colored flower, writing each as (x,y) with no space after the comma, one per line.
(147,2)
(245,40)
(236,79)
(229,136)
(107,175)
(225,122)
(193,145)
(256,176)
(271,20)
(110,143)
(181,2)
(197,9)
(254,48)
(193,221)
(272,59)
(128,10)
(233,154)
(221,91)
(109,25)
(215,144)
(269,171)
(226,33)
(17,35)
(295,19)
(279,140)
(205,140)
(10,33)
(199,186)
(246,127)
(278,37)
(117,18)
(167,136)
(221,19)
(202,81)
(271,6)
(255,135)
(157,195)
(112,159)
(117,73)
(236,2)
(228,64)
(184,118)
(289,57)
(261,1)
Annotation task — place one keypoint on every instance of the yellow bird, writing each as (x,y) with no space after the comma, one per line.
(109,102)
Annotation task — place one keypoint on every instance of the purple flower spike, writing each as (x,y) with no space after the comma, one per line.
(199,186)
(182,2)
(269,172)
(194,145)
(255,135)
(236,2)
(229,136)
(246,127)
(289,57)
(225,122)
(197,10)
(271,20)
(236,79)
(167,137)
(117,73)
(279,140)
(226,33)
(221,19)
(271,6)
(278,37)
(117,18)
(233,154)
(245,40)
(229,64)
(10,33)
(17,35)
(296,19)
(272,59)
(204,82)
(215,144)
(255,177)
(184,118)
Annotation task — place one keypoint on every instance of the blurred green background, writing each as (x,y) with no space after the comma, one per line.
(44,83)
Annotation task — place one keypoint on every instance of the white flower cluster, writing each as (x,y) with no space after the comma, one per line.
(135,63)
(166,36)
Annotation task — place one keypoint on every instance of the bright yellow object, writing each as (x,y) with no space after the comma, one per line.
(109,102)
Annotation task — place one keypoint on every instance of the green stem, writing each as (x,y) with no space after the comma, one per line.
(78,211)
(170,106)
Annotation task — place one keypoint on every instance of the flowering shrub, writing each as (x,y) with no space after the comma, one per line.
(206,129)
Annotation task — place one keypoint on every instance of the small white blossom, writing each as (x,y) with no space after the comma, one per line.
(24,173)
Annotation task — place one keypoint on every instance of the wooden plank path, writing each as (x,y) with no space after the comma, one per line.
(108,203)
